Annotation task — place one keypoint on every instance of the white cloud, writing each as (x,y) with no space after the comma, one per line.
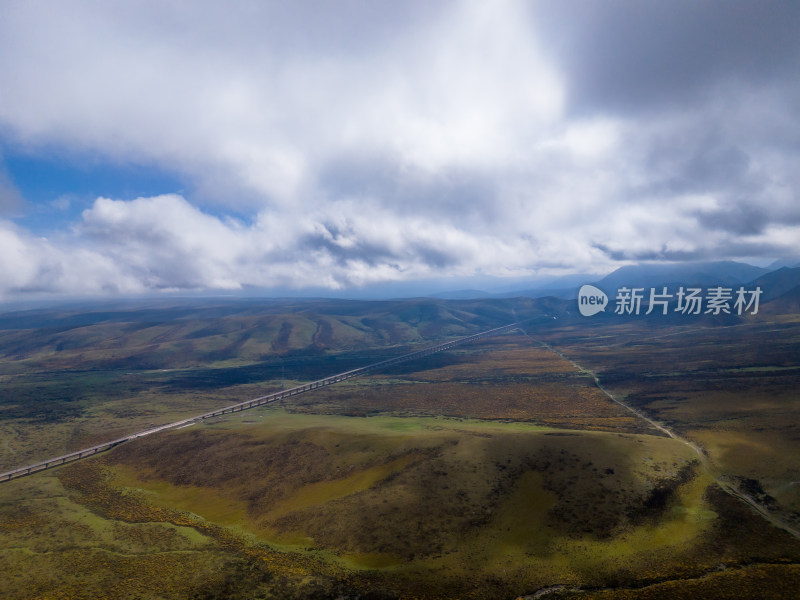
(35,265)
(164,243)
(363,142)
(17,258)
(450,92)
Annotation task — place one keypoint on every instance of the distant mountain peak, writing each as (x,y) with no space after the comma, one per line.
(700,273)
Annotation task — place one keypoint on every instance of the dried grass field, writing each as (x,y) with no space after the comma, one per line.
(494,470)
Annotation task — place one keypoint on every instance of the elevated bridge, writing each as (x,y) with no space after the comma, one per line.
(247,404)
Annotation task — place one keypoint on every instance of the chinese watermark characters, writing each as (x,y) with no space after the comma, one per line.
(688,301)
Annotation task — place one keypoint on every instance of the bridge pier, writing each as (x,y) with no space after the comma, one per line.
(277,396)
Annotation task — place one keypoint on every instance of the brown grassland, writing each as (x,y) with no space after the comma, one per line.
(490,471)
(504,378)
(733,390)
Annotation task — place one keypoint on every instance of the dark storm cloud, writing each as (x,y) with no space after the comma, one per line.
(696,162)
(630,56)
(627,255)
(700,253)
(739,218)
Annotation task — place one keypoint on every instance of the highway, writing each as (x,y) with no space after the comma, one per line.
(247,404)
(721,479)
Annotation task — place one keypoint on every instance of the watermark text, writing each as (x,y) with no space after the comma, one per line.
(685,300)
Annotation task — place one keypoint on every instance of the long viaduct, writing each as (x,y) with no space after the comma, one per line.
(260,401)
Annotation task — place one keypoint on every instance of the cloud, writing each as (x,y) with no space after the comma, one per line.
(352,143)
(31,265)
(263,115)
(627,56)
(166,243)
(11,201)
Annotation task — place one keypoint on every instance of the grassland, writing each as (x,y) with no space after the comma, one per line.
(732,390)
(505,378)
(490,471)
(73,377)
(404,507)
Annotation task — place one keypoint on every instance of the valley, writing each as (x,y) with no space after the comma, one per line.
(492,470)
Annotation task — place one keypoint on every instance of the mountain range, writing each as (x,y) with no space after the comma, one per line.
(775,280)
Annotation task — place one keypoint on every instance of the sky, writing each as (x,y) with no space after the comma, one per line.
(224,147)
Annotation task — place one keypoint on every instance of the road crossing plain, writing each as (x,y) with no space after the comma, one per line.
(488,471)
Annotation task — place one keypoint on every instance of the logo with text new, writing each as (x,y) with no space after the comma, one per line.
(591,300)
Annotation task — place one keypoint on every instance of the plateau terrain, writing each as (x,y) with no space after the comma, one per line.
(606,458)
